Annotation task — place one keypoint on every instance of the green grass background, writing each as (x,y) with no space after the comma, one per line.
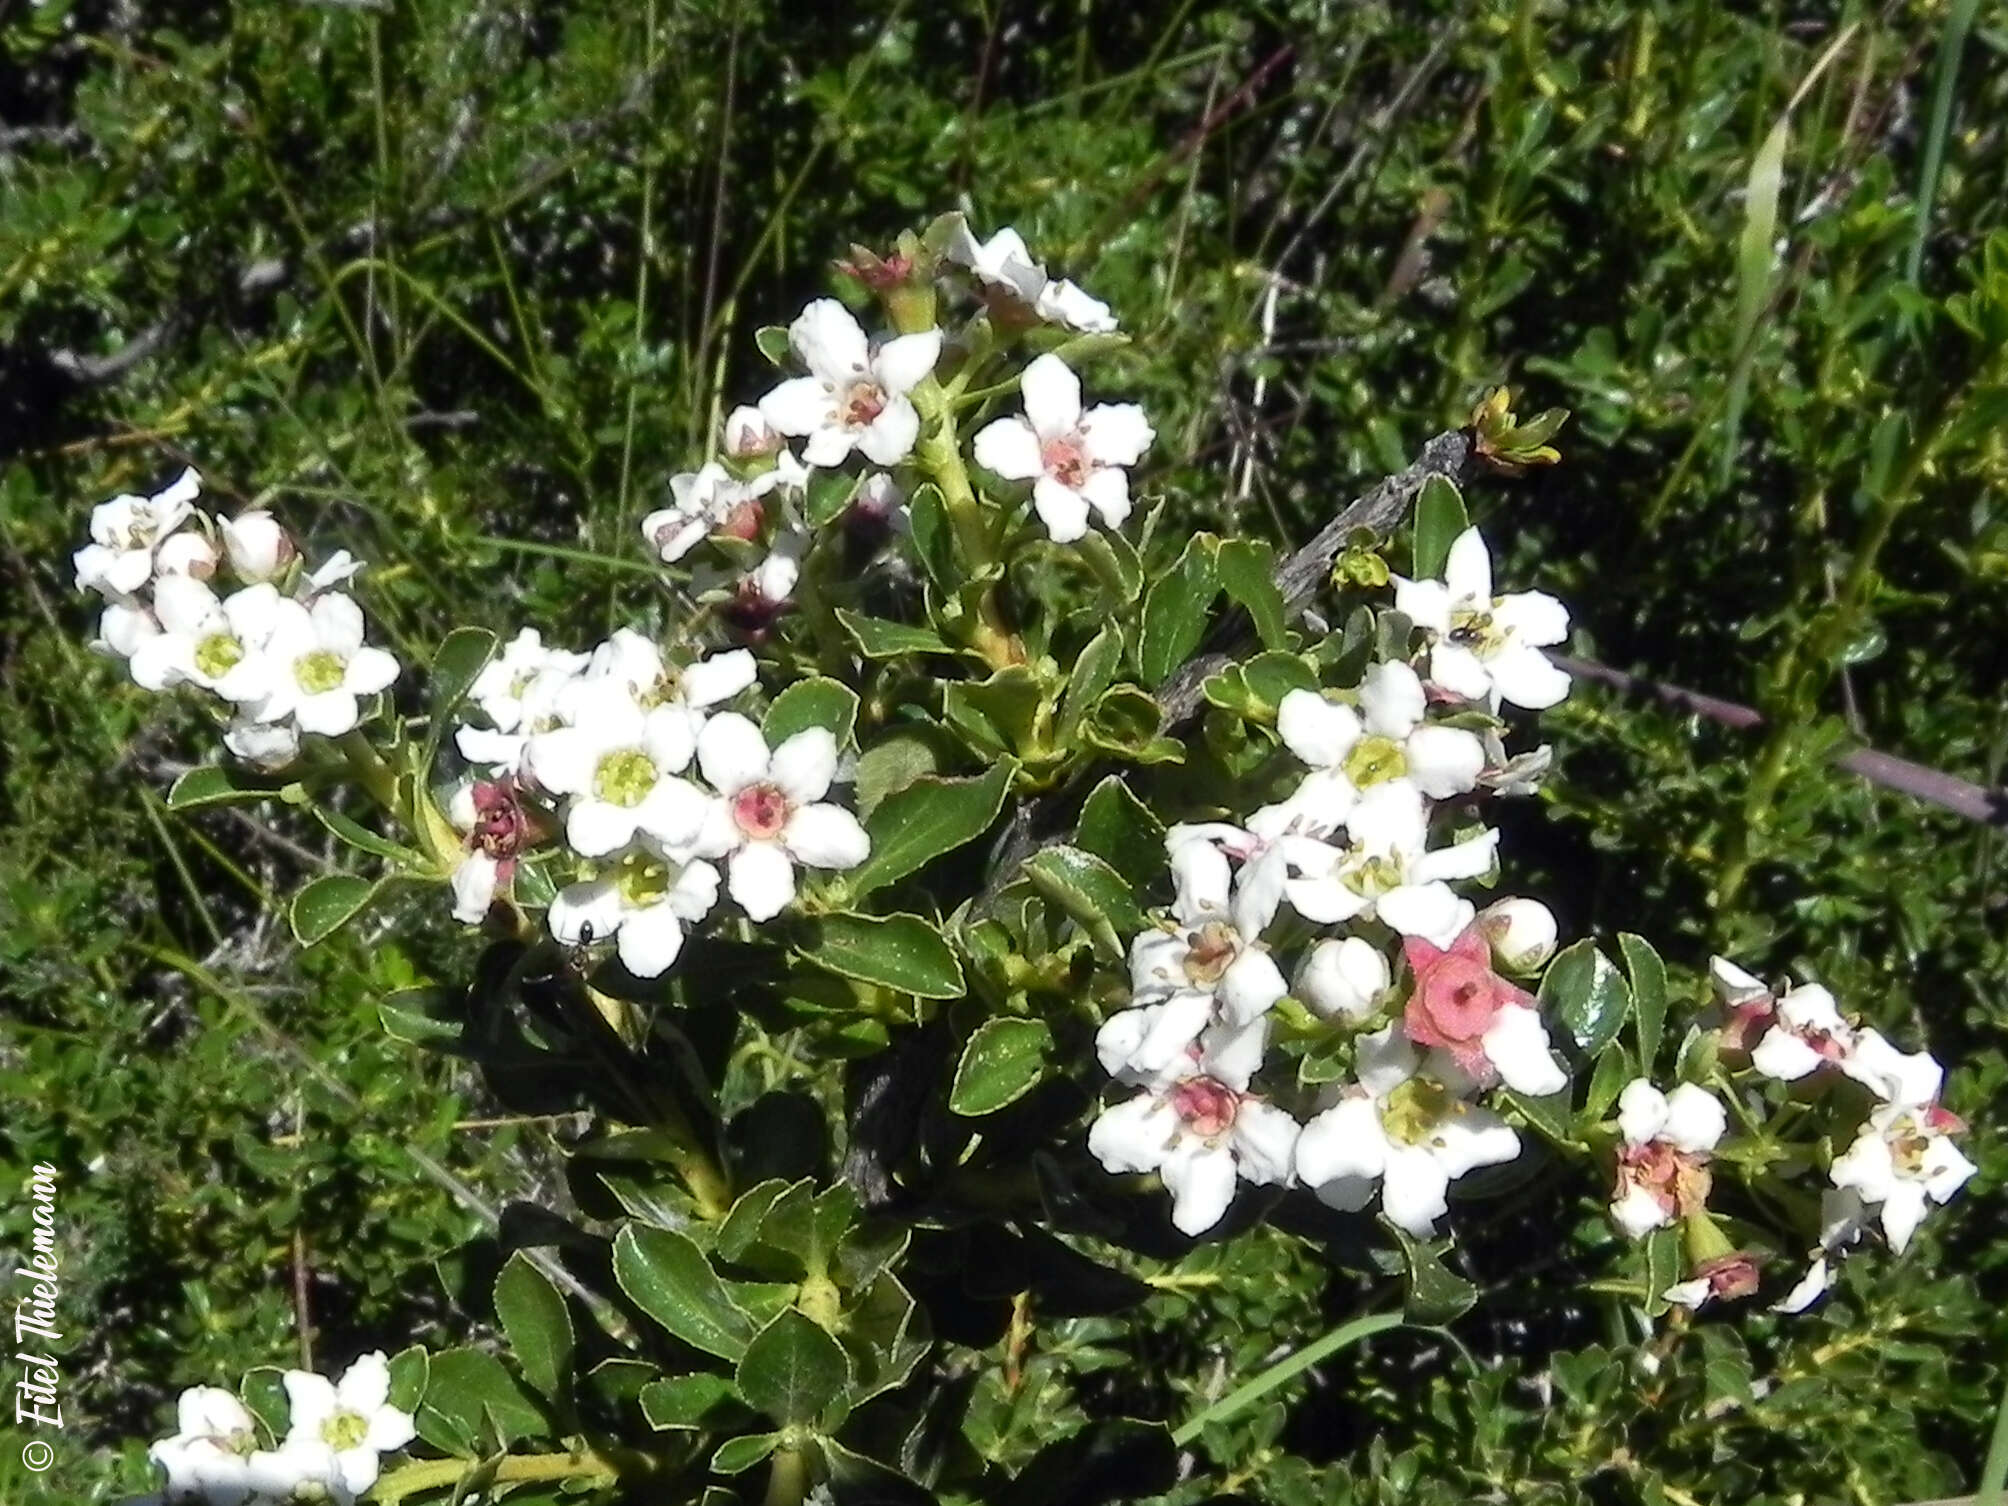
(459,285)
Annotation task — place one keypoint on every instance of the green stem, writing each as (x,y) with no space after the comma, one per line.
(787,1477)
(1283,1370)
(434,1474)
(1995,1470)
(371,772)
(687,1153)
(941,457)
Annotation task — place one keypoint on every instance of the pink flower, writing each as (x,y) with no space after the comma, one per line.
(1486,1026)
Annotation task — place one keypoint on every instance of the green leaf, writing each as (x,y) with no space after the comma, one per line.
(1614,1069)
(933,540)
(793,1371)
(1094,670)
(1002,1061)
(1553,1114)
(690,1401)
(815,702)
(1663,1267)
(539,1327)
(327,904)
(1286,1369)
(878,638)
(1585,992)
(912,827)
(409,1370)
(898,758)
(1436,1294)
(900,952)
(1248,573)
(997,715)
(667,1277)
(363,839)
(459,662)
(1093,894)
(772,340)
(1439,518)
(212,784)
(1648,991)
(1125,721)
(1119,829)
(828,494)
(1176,610)
(467,1390)
(1115,564)
(737,1455)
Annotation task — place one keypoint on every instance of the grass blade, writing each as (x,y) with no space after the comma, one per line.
(1958,22)
(1285,1369)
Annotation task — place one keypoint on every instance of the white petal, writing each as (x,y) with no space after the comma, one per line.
(1430,911)
(1638,1212)
(1426,603)
(1517,1044)
(1783,1056)
(338,623)
(1201,880)
(596,827)
(365,1385)
(370,670)
(826,836)
(591,908)
(1454,668)
(1251,985)
(1695,1293)
(762,879)
(311,1397)
(1145,1043)
(903,362)
(889,438)
(718,677)
(1807,1290)
(1732,984)
(390,1430)
(1523,676)
(1157,961)
(1259,893)
(1232,1054)
(1063,510)
(1471,858)
(1389,819)
(1414,1189)
(731,752)
(1866,1167)
(1200,1179)
(673,813)
(1533,617)
(1107,492)
(650,940)
(1695,1119)
(1064,303)
(1444,761)
(563,760)
(1392,700)
(669,737)
(473,888)
(1133,1135)
(1346,1141)
(330,714)
(1324,902)
(1052,397)
(1902,1211)
(1468,569)
(1009,448)
(1945,1169)
(804,765)
(827,340)
(1265,1140)
(1463,1142)
(1810,1007)
(829,445)
(800,405)
(1320,732)
(1116,434)
(1384,1059)
(1642,1112)
(1912,1077)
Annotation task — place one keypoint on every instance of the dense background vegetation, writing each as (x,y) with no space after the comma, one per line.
(459,285)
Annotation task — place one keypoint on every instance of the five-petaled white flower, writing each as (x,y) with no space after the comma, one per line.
(126,532)
(1005,267)
(352,1416)
(207,1458)
(661,687)
(1401,1132)
(644,899)
(854,397)
(317,666)
(1484,647)
(770,814)
(620,766)
(1902,1160)
(1387,869)
(502,689)
(1199,1128)
(218,645)
(1075,460)
(706,501)
(1663,1164)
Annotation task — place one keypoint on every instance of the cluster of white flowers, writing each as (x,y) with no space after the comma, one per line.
(336,1436)
(284,652)
(603,747)
(1353,845)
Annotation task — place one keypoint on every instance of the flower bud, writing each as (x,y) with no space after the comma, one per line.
(258,546)
(189,554)
(1344,979)
(263,745)
(1521,933)
(748,435)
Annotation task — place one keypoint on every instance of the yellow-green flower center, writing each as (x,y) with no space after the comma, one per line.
(668,687)
(642,878)
(1415,1110)
(345,1430)
(320,672)
(1375,760)
(624,777)
(218,654)
(1373,876)
(1476,630)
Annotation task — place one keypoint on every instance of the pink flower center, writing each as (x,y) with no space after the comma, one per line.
(1207,1107)
(1458,999)
(760,811)
(743,521)
(1066,461)
(501,826)
(1730,1276)
(861,404)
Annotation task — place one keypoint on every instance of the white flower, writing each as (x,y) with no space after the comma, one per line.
(338,569)
(1902,1159)
(1345,979)
(1906,1077)
(186,554)
(1075,460)
(1199,1129)
(220,646)
(1400,1132)
(122,627)
(1807,1032)
(706,501)
(206,1459)
(317,666)
(127,530)
(259,548)
(1667,1141)
(853,397)
(1521,932)
(1213,950)
(505,680)
(1733,985)
(1387,869)
(662,688)
(302,1470)
(644,899)
(1486,648)
(770,814)
(263,745)
(352,1416)
(536,710)
(1004,265)
(619,765)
